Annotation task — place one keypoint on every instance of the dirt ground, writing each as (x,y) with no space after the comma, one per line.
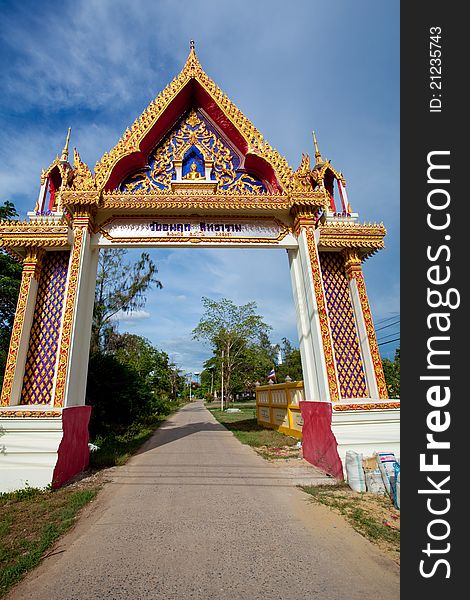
(371,515)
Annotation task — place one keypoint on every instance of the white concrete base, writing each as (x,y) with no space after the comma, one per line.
(28,450)
(367,431)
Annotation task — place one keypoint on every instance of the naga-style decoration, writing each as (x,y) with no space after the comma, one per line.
(82,176)
(302,177)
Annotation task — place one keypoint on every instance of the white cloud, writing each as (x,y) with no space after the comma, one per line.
(130,317)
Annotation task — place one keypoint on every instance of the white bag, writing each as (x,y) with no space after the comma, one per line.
(374,482)
(373,476)
(386,463)
(355,472)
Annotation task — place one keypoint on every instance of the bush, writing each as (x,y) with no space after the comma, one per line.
(117,395)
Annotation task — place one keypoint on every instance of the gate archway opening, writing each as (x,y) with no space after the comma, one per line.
(192,171)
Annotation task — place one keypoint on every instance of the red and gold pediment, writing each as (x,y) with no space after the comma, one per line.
(146,154)
(194,153)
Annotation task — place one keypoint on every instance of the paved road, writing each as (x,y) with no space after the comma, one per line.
(198,515)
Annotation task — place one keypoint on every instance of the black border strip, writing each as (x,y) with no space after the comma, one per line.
(433,121)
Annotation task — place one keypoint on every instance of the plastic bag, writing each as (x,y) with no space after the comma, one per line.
(386,462)
(354,471)
(373,476)
(396,498)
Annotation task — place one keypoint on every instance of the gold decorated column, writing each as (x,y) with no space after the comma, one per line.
(21,327)
(304,227)
(370,349)
(82,226)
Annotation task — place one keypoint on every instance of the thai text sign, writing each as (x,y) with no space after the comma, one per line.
(194,230)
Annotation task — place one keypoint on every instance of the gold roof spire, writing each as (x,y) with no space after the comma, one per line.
(318,155)
(192,66)
(65,151)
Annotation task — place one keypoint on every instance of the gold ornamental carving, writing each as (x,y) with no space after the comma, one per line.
(322,315)
(218,159)
(133,136)
(30,414)
(82,176)
(367,238)
(366,406)
(31,269)
(352,263)
(193,199)
(26,234)
(355,272)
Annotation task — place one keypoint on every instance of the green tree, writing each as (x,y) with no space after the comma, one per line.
(392,374)
(258,360)
(255,363)
(129,381)
(230,329)
(152,365)
(291,363)
(120,286)
(10,280)
(116,393)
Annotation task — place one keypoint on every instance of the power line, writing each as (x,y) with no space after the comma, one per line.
(389,325)
(380,321)
(384,337)
(389,342)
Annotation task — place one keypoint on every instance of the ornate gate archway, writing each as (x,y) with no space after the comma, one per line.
(191,171)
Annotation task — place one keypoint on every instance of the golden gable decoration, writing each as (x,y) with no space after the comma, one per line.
(132,139)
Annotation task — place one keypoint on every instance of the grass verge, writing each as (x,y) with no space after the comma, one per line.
(371,515)
(31,520)
(116,447)
(268,443)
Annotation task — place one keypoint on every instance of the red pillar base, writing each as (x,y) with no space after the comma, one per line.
(73,454)
(319,445)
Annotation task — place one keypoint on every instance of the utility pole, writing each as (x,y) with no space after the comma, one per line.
(222,385)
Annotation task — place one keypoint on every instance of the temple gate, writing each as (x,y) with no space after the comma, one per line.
(191,171)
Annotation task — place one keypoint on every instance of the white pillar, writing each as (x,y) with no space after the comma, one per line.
(42,196)
(363,337)
(344,197)
(308,323)
(79,351)
(74,342)
(311,388)
(371,359)
(80,348)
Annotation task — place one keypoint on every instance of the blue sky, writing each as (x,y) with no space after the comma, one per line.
(292,67)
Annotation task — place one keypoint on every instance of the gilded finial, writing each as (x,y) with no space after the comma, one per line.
(318,155)
(191,45)
(65,151)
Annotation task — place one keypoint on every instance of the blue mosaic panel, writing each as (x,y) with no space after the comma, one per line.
(43,342)
(348,359)
(193,140)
